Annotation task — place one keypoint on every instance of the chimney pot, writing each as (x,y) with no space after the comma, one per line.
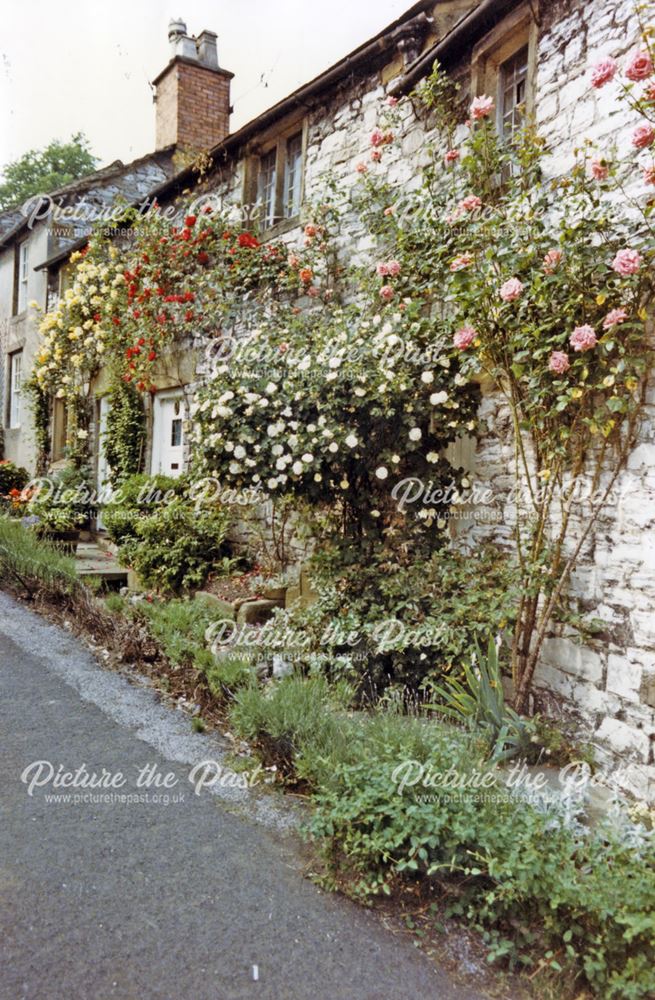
(207,51)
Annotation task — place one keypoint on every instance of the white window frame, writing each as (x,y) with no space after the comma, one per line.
(23,270)
(15,367)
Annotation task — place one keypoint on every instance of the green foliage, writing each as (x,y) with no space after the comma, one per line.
(40,405)
(176,547)
(41,170)
(32,563)
(12,477)
(179,627)
(531,883)
(299,724)
(125,435)
(480,702)
(399,620)
(134,500)
(62,502)
(169,542)
(227,673)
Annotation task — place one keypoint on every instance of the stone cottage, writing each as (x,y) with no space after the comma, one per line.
(527,54)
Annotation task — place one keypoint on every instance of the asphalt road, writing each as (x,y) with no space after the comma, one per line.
(143,900)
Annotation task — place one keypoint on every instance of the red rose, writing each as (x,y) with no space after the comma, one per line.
(190,221)
(203,257)
(152,356)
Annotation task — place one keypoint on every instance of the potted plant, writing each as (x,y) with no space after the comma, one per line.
(60,507)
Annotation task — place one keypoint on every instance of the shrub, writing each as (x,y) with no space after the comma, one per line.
(402,624)
(170,544)
(179,627)
(531,882)
(299,724)
(134,500)
(227,674)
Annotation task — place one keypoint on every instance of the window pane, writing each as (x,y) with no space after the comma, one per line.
(293,176)
(513,85)
(176,433)
(267,180)
(15,382)
(21,304)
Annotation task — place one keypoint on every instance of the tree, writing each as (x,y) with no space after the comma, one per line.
(44,170)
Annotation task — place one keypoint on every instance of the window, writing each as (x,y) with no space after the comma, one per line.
(267,186)
(293,176)
(20,299)
(15,381)
(503,65)
(274,177)
(512,92)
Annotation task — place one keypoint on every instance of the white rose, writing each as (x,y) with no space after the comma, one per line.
(239,451)
(333,446)
(438,397)
(381,472)
(297,468)
(427,377)
(352,441)
(307,458)
(415,434)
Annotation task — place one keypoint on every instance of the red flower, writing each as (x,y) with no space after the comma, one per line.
(190,221)
(96,317)
(185,234)
(145,258)
(152,356)
(141,341)
(188,315)
(203,257)
(248,240)
(188,297)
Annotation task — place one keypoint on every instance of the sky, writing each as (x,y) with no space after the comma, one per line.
(85,65)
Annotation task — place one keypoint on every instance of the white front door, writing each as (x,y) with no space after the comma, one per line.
(168,434)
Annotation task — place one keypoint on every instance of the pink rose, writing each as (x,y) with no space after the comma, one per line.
(292,260)
(599,169)
(452,156)
(649,174)
(386,293)
(603,72)
(627,262)
(471,203)
(376,155)
(361,168)
(511,290)
(640,66)
(464,337)
(583,338)
(481,107)
(459,263)
(559,362)
(393,268)
(392,101)
(310,230)
(614,317)
(552,260)
(377,137)
(388,210)
(313,291)
(643,136)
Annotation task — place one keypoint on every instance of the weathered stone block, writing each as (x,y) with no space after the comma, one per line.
(257,612)
(623,739)
(225,608)
(623,677)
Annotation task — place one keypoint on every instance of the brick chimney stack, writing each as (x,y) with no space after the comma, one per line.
(192,92)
